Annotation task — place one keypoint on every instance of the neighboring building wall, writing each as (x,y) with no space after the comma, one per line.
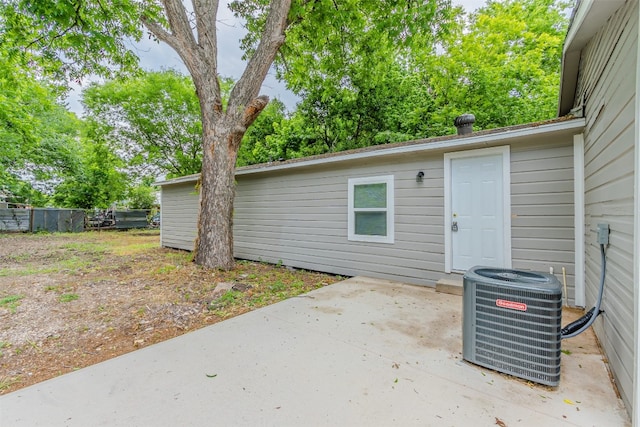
(542,214)
(607,84)
(179,215)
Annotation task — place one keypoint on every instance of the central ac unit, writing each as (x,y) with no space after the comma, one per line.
(512,322)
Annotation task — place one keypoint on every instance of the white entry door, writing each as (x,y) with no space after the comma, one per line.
(477,223)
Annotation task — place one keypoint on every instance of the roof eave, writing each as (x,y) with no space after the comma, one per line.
(588,17)
(485,139)
(182,179)
(451,144)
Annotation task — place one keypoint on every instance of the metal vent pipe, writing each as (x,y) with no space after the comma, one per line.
(464,124)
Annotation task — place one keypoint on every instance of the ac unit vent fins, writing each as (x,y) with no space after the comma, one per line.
(512,322)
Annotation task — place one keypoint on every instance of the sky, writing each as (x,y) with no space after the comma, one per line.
(156,56)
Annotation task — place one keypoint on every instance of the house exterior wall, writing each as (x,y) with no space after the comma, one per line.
(542,210)
(300,219)
(299,216)
(179,215)
(606,84)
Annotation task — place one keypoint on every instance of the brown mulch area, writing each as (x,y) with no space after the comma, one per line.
(72,300)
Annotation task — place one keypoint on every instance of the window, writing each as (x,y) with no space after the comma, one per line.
(371,209)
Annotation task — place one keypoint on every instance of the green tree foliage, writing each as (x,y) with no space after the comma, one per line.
(349,62)
(69,40)
(394,108)
(503,65)
(141,196)
(257,144)
(96,181)
(151,120)
(37,135)
(337,43)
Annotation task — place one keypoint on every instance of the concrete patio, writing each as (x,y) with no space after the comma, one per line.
(361,352)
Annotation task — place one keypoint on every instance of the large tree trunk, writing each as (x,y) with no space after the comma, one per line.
(222,134)
(214,245)
(222,130)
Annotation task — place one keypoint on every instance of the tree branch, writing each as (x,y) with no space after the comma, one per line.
(162,34)
(206,12)
(247,88)
(181,37)
(179,22)
(249,114)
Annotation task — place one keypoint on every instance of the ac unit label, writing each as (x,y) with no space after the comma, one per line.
(520,306)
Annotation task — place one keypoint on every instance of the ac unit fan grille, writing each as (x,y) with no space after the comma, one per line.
(521,342)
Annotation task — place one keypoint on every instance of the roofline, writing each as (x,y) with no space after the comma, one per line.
(187,178)
(588,17)
(488,139)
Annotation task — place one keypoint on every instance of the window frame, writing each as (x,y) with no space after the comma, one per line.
(389,210)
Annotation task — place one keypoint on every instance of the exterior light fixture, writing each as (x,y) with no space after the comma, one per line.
(419,176)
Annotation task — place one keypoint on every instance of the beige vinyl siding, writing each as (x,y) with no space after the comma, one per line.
(300,219)
(542,211)
(179,215)
(299,216)
(607,83)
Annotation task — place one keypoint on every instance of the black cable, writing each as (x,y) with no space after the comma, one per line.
(581,325)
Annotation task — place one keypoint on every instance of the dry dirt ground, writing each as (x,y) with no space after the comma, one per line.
(71,300)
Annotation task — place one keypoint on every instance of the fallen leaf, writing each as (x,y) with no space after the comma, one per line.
(568,402)
(500,423)
(211,375)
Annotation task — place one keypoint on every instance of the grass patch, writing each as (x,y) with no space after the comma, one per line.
(4,272)
(6,382)
(86,247)
(73,263)
(165,269)
(19,257)
(79,252)
(277,287)
(134,248)
(179,256)
(230,297)
(68,297)
(11,302)
(265,284)
(3,345)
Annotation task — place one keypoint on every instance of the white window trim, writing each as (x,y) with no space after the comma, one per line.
(351,235)
(506,199)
